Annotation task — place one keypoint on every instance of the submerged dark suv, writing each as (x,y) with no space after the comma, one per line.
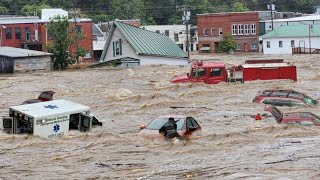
(284,98)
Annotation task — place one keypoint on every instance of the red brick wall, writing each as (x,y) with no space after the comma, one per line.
(225,21)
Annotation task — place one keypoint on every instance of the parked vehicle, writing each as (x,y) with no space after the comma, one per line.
(186,126)
(302,118)
(48,119)
(284,98)
(44,96)
(216,72)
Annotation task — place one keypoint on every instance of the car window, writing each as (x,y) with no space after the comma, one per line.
(316,118)
(268,101)
(215,72)
(296,103)
(198,72)
(191,123)
(156,124)
(281,102)
(306,123)
(310,101)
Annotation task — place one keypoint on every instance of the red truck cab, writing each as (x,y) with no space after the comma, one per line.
(207,72)
(216,72)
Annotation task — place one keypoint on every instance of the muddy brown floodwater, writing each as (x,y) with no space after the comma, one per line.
(231,146)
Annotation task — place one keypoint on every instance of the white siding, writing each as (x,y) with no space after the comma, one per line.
(127,49)
(302,42)
(146,60)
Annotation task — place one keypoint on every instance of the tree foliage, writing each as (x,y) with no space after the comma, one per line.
(227,44)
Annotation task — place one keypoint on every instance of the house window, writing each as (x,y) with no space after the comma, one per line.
(280,44)
(238,47)
(254,46)
(78,29)
(205,32)
(181,46)
(117,48)
(268,44)
(292,43)
(240,29)
(212,31)
(8,33)
(220,31)
(166,32)
(176,37)
(18,32)
(27,34)
(157,31)
(246,29)
(234,29)
(253,29)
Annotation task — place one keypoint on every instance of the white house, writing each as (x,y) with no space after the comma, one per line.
(302,38)
(177,33)
(127,43)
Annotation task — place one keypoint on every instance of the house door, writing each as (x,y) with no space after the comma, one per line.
(245,47)
(302,46)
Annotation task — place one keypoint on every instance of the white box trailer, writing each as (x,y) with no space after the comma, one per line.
(48,119)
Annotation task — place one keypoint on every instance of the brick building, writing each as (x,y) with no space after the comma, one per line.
(243,26)
(31,33)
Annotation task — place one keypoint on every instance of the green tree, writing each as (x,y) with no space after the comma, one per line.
(239,7)
(34,9)
(58,31)
(3,10)
(227,44)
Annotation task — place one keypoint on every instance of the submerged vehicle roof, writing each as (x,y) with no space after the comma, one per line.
(50,108)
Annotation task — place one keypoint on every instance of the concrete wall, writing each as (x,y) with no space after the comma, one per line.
(32,63)
(146,60)
(302,42)
(127,49)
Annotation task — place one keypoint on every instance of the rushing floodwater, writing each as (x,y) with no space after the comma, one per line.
(231,145)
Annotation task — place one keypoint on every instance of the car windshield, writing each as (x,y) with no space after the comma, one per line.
(310,101)
(156,124)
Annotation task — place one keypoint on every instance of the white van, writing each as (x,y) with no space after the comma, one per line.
(48,119)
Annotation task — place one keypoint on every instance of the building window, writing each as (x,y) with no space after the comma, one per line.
(238,47)
(157,31)
(176,37)
(205,32)
(246,29)
(212,31)
(8,33)
(220,31)
(240,29)
(181,46)
(27,33)
(268,44)
(18,32)
(280,44)
(234,29)
(292,43)
(253,29)
(117,48)
(254,46)
(166,32)
(78,29)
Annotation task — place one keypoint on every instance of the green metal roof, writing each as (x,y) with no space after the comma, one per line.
(301,30)
(150,43)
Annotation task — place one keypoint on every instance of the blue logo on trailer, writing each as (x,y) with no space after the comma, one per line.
(51,106)
(56,128)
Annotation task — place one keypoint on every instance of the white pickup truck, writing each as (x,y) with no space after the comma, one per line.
(49,119)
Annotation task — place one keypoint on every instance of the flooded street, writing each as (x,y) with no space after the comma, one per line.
(231,145)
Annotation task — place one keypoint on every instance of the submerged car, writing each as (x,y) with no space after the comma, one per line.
(284,98)
(186,126)
(44,96)
(302,118)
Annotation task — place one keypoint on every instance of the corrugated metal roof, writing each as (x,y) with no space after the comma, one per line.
(315,17)
(294,31)
(150,43)
(18,52)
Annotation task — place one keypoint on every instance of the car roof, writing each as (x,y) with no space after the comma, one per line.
(282,93)
(174,116)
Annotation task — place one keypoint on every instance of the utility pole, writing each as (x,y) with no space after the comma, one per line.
(272,7)
(310,27)
(185,20)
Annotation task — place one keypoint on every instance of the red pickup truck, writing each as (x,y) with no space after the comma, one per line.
(216,72)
